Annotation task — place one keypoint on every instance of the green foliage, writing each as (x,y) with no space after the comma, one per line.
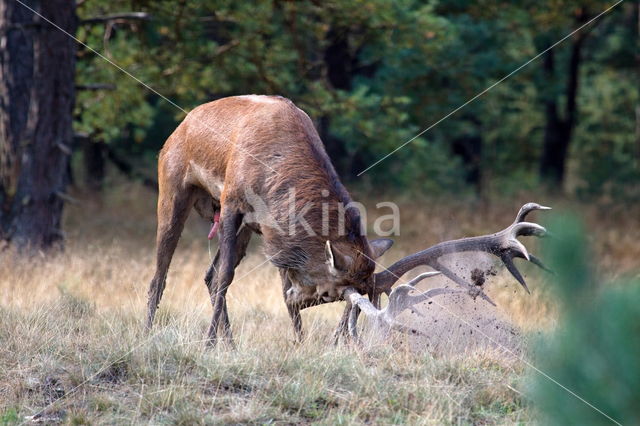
(594,352)
(606,133)
(372,75)
(10,417)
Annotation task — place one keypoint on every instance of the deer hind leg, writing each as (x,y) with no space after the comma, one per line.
(230,223)
(211,279)
(173,210)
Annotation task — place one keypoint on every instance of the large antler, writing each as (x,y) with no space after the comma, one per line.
(399,300)
(503,244)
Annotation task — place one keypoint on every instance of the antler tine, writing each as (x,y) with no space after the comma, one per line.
(526,229)
(539,263)
(508,262)
(399,300)
(503,244)
(528,208)
(362,302)
(507,259)
(421,277)
(515,248)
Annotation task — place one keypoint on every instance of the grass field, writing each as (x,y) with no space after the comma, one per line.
(73,349)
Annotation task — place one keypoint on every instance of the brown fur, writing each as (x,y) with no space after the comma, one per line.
(266,145)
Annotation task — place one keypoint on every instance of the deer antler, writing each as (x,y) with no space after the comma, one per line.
(503,244)
(400,299)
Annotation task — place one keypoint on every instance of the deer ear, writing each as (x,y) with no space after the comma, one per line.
(328,252)
(380,246)
(336,260)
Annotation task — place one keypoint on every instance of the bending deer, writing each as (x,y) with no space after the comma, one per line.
(229,153)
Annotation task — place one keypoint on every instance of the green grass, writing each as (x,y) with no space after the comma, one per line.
(73,349)
(84,366)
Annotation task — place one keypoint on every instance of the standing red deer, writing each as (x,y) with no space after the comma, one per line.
(227,154)
(234,149)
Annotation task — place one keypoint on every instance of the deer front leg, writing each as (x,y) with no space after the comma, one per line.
(296,318)
(343,326)
(346,327)
(211,278)
(292,308)
(228,259)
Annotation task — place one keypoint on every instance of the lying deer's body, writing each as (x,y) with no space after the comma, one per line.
(233,148)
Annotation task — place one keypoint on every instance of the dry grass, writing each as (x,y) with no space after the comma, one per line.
(71,340)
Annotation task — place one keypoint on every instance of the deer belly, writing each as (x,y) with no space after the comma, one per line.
(206,179)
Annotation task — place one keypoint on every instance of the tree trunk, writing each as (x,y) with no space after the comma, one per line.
(469,148)
(37,67)
(555,150)
(559,130)
(93,156)
(338,62)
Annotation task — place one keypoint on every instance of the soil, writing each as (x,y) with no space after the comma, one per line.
(458,323)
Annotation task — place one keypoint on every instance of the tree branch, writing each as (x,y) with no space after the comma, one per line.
(127,16)
(96,86)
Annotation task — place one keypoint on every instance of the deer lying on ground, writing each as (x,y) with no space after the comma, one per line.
(229,153)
